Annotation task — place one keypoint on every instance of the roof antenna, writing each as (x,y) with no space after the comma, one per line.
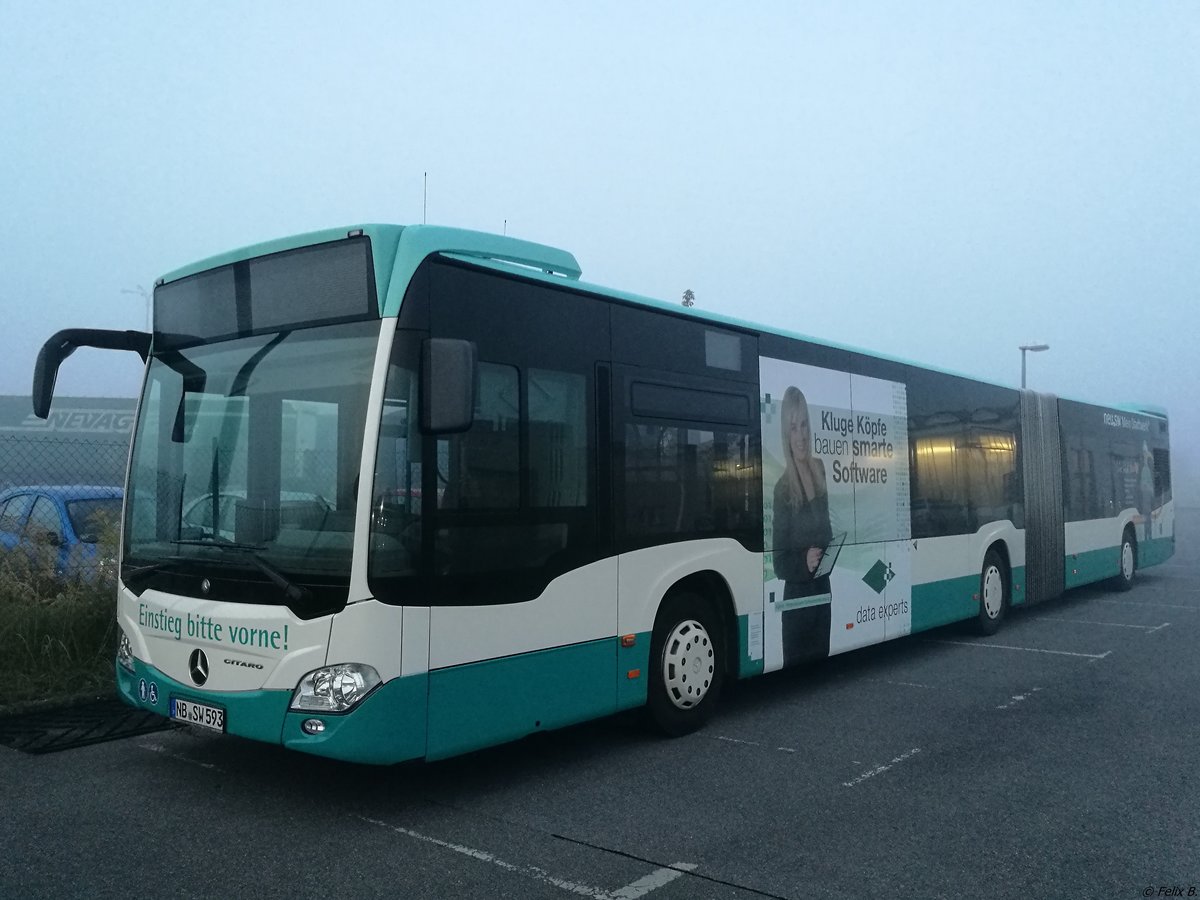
(506,227)
(425,201)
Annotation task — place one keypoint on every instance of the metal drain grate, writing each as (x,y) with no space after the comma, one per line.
(53,730)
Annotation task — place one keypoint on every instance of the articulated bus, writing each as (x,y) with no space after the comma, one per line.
(405,492)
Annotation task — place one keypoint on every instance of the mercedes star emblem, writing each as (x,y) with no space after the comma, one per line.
(206,585)
(198,666)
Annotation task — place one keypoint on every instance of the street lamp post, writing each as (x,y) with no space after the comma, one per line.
(140,291)
(1032,348)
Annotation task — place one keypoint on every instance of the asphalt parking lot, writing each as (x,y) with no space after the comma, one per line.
(1056,759)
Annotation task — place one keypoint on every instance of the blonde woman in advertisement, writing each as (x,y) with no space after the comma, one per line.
(801,534)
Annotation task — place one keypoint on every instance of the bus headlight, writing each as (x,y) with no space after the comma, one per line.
(125,652)
(335,688)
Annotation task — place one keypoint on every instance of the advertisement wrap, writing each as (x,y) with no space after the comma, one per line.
(837,528)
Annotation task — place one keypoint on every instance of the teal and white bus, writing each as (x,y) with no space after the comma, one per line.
(405,492)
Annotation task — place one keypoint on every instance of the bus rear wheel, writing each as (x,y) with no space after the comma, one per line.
(993,594)
(1123,580)
(687,665)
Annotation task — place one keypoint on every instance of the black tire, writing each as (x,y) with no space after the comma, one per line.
(687,664)
(1123,580)
(993,594)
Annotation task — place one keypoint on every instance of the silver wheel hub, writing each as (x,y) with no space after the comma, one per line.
(1127,560)
(688,664)
(993,592)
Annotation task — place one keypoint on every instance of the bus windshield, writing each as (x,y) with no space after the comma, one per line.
(245,464)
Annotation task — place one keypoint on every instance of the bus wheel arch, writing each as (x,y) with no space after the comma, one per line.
(691,640)
(995,589)
(713,586)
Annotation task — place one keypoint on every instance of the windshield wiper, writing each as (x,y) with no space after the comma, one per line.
(132,574)
(214,539)
(294,592)
(129,575)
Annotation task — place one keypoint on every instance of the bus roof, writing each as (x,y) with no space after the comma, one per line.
(398,250)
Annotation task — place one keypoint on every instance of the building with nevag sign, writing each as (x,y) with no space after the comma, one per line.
(85,440)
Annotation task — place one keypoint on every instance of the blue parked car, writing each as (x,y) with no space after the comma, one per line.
(61,522)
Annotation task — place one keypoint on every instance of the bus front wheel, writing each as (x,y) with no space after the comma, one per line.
(687,665)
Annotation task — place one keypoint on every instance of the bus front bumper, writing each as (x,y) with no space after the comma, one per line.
(387,727)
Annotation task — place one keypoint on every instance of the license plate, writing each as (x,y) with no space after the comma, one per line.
(198,714)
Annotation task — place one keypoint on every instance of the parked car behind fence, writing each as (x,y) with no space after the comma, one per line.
(62,524)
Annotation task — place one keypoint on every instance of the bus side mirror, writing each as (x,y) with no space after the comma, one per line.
(194,381)
(449,375)
(45,373)
(64,343)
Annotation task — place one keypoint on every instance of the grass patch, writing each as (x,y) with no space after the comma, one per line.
(59,638)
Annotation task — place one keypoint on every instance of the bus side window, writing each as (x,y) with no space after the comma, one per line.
(515,488)
(480,469)
(556,404)
(1162,475)
(686,482)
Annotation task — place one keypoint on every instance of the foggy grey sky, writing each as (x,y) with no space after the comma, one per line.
(936,181)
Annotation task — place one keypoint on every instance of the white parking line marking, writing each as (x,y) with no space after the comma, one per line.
(1018,698)
(1092,656)
(744,743)
(483,856)
(1136,603)
(730,740)
(1110,624)
(656,879)
(879,770)
(159,748)
(932,687)
(1159,628)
